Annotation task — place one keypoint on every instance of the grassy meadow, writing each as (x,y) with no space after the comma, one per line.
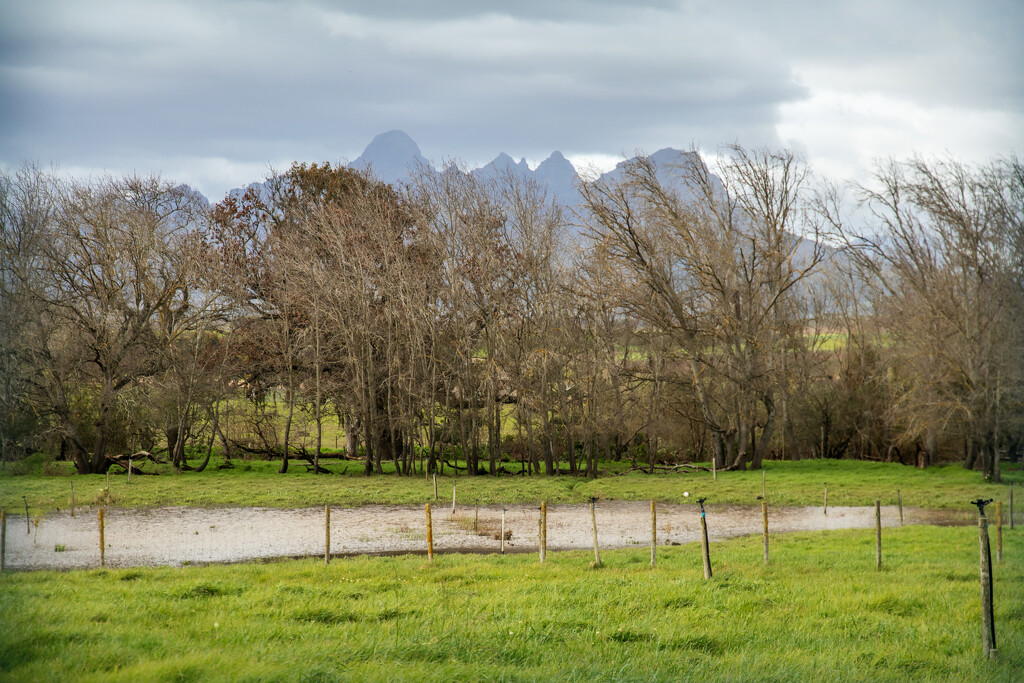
(255,482)
(820,610)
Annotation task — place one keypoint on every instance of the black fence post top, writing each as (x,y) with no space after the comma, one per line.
(700,501)
(981,503)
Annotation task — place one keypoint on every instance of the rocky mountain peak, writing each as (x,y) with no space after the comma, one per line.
(392,156)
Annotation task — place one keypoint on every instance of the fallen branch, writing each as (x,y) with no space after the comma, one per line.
(128,461)
(313,467)
(667,468)
(339,455)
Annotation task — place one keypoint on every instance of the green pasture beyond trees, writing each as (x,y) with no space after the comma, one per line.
(819,611)
(255,482)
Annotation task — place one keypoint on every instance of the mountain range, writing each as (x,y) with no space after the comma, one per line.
(394,157)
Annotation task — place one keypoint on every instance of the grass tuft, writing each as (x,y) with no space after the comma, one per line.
(326,616)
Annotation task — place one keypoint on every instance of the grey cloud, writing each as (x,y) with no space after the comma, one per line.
(110,84)
(528,9)
(942,52)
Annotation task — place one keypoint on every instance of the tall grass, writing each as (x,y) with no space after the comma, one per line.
(819,611)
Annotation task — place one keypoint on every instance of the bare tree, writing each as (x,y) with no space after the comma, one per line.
(709,261)
(25,214)
(944,252)
(114,278)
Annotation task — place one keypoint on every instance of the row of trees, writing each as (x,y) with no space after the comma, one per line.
(674,313)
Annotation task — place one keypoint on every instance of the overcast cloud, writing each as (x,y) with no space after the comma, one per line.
(213,92)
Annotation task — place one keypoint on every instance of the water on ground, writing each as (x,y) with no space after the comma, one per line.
(178,536)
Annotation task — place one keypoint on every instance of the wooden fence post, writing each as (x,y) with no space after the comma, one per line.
(453,497)
(593,522)
(705,550)
(103,545)
(28,524)
(502,531)
(129,469)
(654,533)
(764,517)
(435,486)
(878,534)
(72,499)
(476,517)
(430,535)
(3,539)
(826,498)
(988,624)
(899,500)
(764,493)
(327,534)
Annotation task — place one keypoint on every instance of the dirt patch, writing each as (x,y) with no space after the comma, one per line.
(179,536)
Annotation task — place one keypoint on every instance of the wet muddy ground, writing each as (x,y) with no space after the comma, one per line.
(179,536)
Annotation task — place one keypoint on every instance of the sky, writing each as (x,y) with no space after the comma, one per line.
(214,93)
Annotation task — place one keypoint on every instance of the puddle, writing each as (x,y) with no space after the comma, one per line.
(177,536)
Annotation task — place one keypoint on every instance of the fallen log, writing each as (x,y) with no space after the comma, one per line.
(128,461)
(667,468)
(314,467)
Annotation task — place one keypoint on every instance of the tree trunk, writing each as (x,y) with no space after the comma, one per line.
(319,427)
(464,429)
(993,470)
(287,428)
(351,426)
(99,463)
(761,447)
(172,443)
(742,439)
(986,457)
(970,454)
(534,463)
(593,457)
(431,444)
(213,436)
(82,463)
(367,443)
(494,448)
(549,456)
(384,450)
(931,446)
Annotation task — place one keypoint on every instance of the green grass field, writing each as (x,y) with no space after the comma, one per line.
(819,611)
(255,482)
